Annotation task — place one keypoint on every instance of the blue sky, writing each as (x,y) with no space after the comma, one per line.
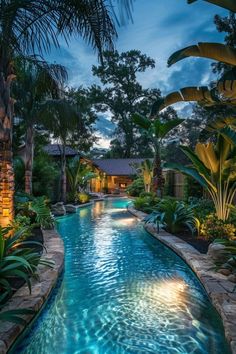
(159,28)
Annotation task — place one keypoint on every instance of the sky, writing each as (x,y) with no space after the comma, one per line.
(159,28)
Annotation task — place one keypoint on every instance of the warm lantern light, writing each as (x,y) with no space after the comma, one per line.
(5,212)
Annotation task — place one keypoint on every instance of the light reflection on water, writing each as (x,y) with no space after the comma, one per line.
(123,292)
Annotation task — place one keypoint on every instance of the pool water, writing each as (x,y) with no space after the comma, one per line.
(123,292)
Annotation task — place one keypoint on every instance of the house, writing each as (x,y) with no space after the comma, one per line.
(114,175)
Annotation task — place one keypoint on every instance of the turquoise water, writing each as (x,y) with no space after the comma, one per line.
(123,292)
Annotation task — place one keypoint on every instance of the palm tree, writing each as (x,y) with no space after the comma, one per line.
(36,82)
(28,28)
(61,118)
(157,131)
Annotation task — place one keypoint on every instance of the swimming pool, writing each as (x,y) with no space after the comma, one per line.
(123,292)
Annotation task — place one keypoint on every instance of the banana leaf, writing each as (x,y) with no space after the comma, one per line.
(227,4)
(215,51)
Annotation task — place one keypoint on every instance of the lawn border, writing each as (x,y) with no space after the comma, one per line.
(221,292)
(41,290)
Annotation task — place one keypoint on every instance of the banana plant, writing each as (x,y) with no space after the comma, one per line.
(157,131)
(225,91)
(202,95)
(78,175)
(144,169)
(215,51)
(227,4)
(214,167)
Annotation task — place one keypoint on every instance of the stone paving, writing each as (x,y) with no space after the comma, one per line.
(221,291)
(41,289)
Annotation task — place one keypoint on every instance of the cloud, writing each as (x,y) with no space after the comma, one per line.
(159,28)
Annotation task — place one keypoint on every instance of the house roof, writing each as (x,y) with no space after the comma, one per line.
(56,149)
(117,167)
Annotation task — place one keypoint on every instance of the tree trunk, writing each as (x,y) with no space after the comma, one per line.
(63,174)
(29,156)
(6,185)
(158,179)
(6,161)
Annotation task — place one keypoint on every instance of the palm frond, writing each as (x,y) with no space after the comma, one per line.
(34,26)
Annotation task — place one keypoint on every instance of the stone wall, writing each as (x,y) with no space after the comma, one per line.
(41,290)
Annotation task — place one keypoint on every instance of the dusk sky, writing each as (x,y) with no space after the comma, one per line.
(159,28)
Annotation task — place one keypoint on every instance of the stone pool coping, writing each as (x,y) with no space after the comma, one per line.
(221,292)
(41,289)
(79,206)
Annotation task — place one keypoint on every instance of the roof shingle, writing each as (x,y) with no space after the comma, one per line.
(56,149)
(117,167)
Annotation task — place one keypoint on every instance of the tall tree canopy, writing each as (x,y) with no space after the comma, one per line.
(122,95)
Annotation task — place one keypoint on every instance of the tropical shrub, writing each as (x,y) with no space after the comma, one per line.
(45,175)
(174,216)
(20,222)
(201,207)
(147,194)
(37,210)
(82,198)
(192,188)
(78,175)
(215,228)
(146,203)
(18,260)
(145,171)
(135,188)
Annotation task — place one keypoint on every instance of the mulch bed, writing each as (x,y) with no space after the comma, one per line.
(198,243)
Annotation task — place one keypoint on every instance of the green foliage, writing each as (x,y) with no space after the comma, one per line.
(145,171)
(174,216)
(18,259)
(192,188)
(156,129)
(146,203)
(45,173)
(37,210)
(120,95)
(78,175)
(201,207)
(135,188)
(214,168)
(82,198)
(22,221)
(214,228)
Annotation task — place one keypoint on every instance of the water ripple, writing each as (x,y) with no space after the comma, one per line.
(123,293)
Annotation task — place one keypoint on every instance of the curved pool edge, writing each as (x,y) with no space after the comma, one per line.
(221,292)
(41,290)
